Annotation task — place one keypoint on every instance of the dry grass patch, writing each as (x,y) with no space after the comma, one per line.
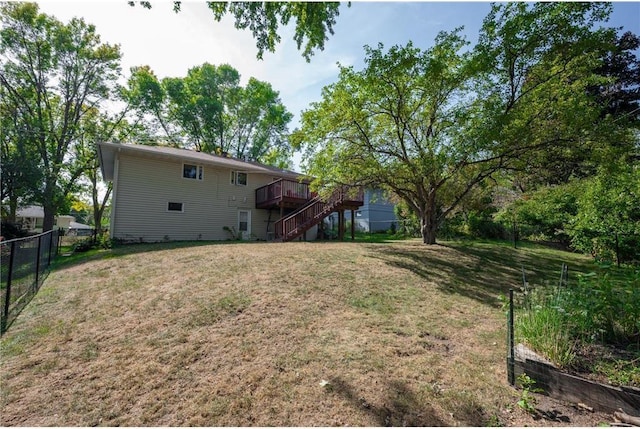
(312,334)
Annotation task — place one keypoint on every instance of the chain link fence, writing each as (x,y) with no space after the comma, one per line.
(23,268)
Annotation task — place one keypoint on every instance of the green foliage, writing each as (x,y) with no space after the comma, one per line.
(607,223)
(527,402)
(52,74)
(313,22)
(544,328)
(389,126)
(599,307)
(210,111)
(235,235)
(605,308)
(549,210)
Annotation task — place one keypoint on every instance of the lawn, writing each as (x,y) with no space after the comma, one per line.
(257,334)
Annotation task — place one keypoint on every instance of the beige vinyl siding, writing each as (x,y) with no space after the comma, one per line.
(147,185)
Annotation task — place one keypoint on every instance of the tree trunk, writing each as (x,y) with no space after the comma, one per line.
(429,220)
(13,209)
(428,229)
(49,217)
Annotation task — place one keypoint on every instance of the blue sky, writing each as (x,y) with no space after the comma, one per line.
(172,43)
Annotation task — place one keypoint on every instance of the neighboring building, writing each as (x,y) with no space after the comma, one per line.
(165,194)
(376,214)
(79,229)
(32,218)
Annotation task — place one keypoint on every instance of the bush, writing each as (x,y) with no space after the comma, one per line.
(12,230)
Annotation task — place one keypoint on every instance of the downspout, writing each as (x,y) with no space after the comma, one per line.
(114,193)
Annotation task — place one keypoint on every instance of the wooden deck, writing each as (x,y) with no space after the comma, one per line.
(308,208)
(283,193)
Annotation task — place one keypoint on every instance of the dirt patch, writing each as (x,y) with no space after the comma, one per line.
(296,334)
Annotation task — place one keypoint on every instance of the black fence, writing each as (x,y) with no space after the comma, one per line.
(23,268)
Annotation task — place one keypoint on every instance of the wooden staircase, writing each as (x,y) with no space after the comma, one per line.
(297,223)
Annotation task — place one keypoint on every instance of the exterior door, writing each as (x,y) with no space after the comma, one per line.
(244,223)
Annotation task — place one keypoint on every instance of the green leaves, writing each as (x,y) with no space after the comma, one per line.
(51,75)
(209,110)
(314,21)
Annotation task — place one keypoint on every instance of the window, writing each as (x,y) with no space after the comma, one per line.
(191,171)
(238,178)
(175,207)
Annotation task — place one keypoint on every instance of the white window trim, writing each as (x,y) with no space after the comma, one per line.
(199,172)
(234,177)
(248,212)
(175,211)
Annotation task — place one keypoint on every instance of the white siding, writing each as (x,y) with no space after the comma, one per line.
(146,185)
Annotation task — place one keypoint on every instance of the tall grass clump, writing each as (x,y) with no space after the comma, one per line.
(602,308)
(544,326)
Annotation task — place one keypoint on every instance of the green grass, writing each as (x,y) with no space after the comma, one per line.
(242,334)
(579,326)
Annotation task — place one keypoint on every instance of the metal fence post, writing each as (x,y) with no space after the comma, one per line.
(511,373)
(50,245)
(7,296)
(38,263)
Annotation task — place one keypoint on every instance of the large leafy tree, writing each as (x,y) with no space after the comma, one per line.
(539,63)
(53,73)
(95,127)
(620,94)
(21,175)
(395,125)
(209,110)
(430,126)
(314,21)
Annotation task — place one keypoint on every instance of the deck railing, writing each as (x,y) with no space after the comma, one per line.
(295,224)
(282,189)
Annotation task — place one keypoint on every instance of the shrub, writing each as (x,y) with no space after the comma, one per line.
(600,307)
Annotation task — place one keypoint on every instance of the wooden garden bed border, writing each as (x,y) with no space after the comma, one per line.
(571,388)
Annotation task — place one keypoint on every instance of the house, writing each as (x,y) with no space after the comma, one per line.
(32,218)
(376,214)
(163,193)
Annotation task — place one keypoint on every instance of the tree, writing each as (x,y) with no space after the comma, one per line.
(53,73)
(314,21)
(607,223)
(210,111)
(395,125)
(96,127)
(256,125)
(431,126)
(20,173)
(539,62)
(621,94)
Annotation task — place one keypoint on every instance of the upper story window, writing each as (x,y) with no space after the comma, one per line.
(239,178)
(192,171)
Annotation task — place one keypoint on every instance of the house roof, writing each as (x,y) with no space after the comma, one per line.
(107,154)
(37,212)
(30,211)
(77,225)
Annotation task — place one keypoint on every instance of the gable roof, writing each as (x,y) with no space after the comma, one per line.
(107,152)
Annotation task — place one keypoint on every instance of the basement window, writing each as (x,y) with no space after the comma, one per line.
(175,207)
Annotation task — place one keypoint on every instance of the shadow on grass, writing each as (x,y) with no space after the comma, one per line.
(481,271)
(402,407)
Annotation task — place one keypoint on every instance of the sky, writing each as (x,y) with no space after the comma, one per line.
(173,43)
